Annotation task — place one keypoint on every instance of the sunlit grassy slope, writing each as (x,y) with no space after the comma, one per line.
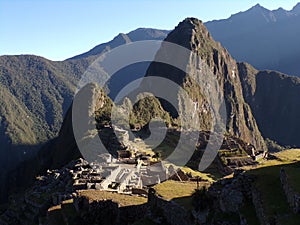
(268,184)
(122,199)
(180,192)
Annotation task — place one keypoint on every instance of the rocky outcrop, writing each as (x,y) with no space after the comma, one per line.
(234,192)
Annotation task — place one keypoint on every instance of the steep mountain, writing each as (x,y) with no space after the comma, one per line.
(36,93)
(192,34)
(266,39)
(274,100)
(139,34)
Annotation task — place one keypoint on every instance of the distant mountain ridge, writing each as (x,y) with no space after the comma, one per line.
(41,90)
(266,39)
(139,34)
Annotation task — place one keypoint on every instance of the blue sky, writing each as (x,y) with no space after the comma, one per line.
(60,29)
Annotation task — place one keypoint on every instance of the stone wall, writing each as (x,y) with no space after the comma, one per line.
(293,198)
(139,191)
(108,212)
(258,204)
(130,214)
(231,194)
(172,212)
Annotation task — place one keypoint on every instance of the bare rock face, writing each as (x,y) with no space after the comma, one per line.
(217,62)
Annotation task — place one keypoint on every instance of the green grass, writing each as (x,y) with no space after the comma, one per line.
(195,173)
(269,185)
(179,192)
(273,197)
(283,158)
(174,189)
(122,199)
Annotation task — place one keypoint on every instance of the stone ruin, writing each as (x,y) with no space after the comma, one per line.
(292,196)
(48,190)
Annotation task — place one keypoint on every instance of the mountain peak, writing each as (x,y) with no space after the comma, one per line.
(147,34)
(187,30)
(122,38)
(191,23)
(209,58)
(257,6)
(192,20)
(135,35)
(296,8)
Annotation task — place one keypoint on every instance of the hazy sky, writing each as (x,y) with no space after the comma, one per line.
(60,29)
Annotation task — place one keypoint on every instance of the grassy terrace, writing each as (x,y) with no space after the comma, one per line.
(180,192)
(204,176)
(269,185)
(284,157)
(122,199)
(58,215)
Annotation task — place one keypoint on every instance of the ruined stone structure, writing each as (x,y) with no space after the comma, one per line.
(108,212)
(258,204)
(51,189)
(293,197)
